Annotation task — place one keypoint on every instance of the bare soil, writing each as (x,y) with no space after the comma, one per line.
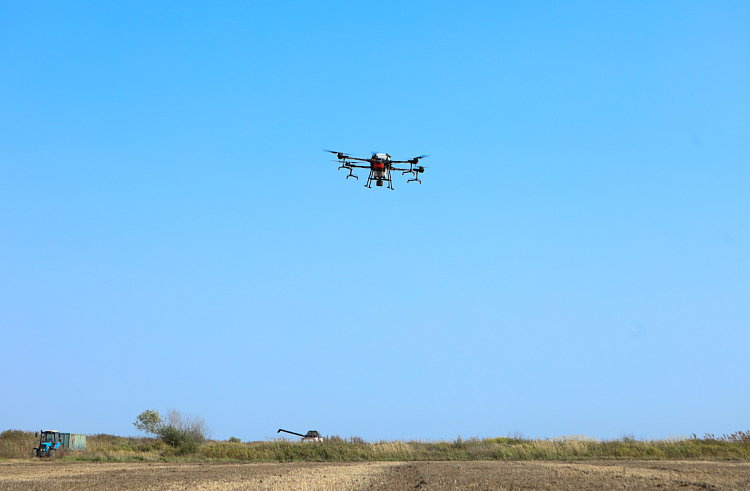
(423,476)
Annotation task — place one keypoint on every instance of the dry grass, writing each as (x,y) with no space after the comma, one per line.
(110,448)
(16,444)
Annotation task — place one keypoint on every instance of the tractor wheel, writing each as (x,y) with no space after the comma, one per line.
(51,453)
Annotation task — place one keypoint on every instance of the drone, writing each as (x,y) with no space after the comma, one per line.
(380,165)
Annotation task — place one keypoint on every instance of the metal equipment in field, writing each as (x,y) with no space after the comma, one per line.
(52,442)
(311,436)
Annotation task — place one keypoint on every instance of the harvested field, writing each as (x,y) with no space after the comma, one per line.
(476,475)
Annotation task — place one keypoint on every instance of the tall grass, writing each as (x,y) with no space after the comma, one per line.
(15,444)
(573,447)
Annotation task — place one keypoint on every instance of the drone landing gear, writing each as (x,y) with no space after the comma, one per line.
(351,169)
(414,171)
(379,179)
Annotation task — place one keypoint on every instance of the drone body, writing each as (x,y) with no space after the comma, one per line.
(380,165)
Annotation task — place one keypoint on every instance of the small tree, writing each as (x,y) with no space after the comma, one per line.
(150,422)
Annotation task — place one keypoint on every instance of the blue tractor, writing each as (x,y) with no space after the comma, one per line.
(53,442)
(50,443)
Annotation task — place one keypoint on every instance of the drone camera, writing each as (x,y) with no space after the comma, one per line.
(379,183)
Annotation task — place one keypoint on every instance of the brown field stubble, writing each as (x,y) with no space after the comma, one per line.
(475,475)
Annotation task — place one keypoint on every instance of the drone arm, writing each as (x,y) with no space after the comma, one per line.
(344,157)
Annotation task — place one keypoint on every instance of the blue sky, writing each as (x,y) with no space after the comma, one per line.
(576,261)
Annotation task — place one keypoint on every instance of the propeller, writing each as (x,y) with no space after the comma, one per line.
(338,155)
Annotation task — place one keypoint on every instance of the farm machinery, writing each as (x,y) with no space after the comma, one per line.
(53,442)
(311,436)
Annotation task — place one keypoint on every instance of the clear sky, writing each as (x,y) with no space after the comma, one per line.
(576,261)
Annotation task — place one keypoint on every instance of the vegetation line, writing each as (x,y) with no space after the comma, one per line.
(16,444)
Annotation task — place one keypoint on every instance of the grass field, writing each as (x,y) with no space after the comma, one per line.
(16,444)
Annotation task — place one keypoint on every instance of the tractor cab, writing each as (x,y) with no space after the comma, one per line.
(312,436)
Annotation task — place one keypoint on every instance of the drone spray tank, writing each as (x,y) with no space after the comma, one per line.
(380,168)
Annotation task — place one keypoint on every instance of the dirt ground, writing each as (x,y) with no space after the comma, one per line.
(423,476)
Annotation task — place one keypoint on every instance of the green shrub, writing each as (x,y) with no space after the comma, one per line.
(184,432)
